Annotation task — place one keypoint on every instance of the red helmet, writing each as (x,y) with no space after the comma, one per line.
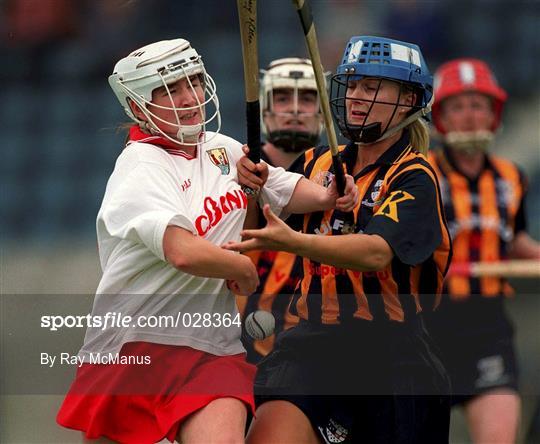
(466,75)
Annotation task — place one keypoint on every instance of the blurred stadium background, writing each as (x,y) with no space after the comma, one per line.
(60,123)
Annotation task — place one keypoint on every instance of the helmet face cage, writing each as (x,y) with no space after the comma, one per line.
(160,65)
(380,58)
(296,75)
(366,133)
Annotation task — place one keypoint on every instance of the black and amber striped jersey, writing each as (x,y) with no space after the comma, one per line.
(400,201)
(484,214)
(279,274)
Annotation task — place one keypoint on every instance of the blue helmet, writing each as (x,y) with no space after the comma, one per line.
(381,58)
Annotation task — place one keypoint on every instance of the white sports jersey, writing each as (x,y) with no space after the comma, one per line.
(151,187)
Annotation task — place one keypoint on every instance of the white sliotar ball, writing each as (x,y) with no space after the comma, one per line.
(260,324)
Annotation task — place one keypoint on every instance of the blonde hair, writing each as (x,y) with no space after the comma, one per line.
(419,135)
(418,130)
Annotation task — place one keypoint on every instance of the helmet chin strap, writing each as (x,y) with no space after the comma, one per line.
(407,121)
(189,133)
(470,141)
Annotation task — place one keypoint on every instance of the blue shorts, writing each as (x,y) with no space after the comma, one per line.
(363,382)
(484,362)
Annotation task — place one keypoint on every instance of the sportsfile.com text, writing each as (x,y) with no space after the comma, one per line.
(117,320)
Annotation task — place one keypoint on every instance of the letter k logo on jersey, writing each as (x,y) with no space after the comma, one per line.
(389,206)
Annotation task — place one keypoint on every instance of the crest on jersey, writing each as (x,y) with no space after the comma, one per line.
(374,200)
(376,190)
(334,433)
(323,178)
(219,158)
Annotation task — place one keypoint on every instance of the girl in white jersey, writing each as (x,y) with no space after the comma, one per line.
(162,353)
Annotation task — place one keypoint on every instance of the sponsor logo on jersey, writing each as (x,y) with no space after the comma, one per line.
(214,210)
(219,158)
(327,228)
(323,178)
(186,184)
(329,270)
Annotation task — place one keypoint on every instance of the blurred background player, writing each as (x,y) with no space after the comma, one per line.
(361,296)
(291,123)
(291,117)
(484,200)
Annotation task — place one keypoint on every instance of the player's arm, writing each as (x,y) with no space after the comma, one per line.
(406,225)
(354,251)
(293,193)
(361,252)
(199,257)
(309,197)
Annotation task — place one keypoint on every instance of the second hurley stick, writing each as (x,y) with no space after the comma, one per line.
(306,18)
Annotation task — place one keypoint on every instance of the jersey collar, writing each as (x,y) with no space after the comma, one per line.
(137,135)
(390,156)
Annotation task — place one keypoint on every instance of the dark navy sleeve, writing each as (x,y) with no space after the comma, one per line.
(408,219)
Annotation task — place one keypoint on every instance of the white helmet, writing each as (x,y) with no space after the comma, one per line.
(159,65)
(288,73)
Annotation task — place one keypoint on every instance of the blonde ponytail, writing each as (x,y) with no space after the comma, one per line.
(419,135)
(418,129)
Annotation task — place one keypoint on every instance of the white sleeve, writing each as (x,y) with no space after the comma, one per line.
(143,204)
(235,150)
(279,188)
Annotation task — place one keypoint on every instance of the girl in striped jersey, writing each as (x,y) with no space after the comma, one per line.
(360,365)
(484,199)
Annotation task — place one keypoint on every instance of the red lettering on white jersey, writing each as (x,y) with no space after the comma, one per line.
(214,211)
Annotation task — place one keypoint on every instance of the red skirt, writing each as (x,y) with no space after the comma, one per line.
(145,396)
